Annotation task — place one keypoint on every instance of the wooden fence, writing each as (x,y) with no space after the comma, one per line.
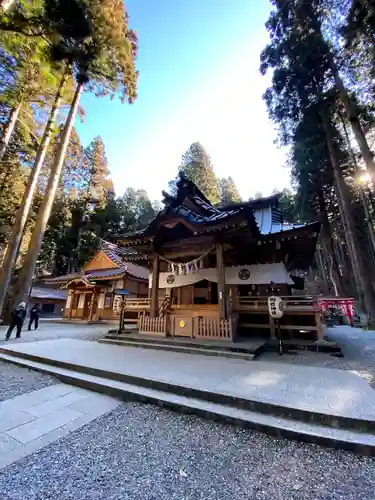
(156,325)
(213,328)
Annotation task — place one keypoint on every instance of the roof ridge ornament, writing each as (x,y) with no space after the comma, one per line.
(168,199)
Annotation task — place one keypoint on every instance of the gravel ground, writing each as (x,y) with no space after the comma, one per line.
(15,380)
(148,453)
(49,330)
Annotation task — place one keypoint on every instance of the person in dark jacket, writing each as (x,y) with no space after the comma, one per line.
(34,316)
(18,318)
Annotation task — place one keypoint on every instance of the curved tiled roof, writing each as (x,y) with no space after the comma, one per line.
(191,208)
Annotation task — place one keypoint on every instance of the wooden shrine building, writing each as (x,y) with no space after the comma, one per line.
(212,268)
(92,292)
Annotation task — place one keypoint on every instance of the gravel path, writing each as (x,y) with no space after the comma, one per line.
(15,380)
(147,453)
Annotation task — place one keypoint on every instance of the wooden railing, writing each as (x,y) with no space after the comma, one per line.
(144,304)
(292,303)
(140,303)
(213,328)
(137,303)
(155,325)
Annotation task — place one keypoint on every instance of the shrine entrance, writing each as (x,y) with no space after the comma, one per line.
(205,292)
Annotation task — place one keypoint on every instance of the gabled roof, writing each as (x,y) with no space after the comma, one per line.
(48,293)
(117,271)
(63,279)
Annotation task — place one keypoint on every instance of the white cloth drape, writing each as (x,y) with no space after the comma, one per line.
(258,274)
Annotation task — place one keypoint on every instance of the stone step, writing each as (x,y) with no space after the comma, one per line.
(184,349)
(256,348)
(360,442)
(208,344)
(283,411)
(187,342)
(287,411)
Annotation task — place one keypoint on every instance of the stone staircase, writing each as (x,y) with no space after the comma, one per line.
(186,346)
(280,420)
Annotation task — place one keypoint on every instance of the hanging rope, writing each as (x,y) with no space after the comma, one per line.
(185,267)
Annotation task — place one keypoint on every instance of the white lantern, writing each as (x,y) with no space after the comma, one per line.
(117,304)
(275,307)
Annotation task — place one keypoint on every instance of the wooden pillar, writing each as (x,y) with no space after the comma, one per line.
(91,312)
(221,280)
(320,326)
(71,305)
(155,287)
(272,327)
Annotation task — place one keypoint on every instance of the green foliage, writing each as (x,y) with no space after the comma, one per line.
(299,57)
(12,185)
(115,46)
(86,209)
(98,168)
(289,206)
(197,166)
(28,70)
(228,191)
(90,41)
(317,91)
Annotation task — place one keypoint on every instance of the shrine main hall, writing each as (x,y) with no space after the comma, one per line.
(212,269)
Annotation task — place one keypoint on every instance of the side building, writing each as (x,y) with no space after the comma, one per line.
(91,293)
(212,269)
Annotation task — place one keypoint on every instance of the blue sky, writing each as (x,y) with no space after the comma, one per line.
(199,81)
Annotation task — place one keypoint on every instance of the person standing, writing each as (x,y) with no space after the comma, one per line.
(34,316)
(18,318)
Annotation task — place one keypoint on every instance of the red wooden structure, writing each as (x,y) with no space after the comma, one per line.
(344,304)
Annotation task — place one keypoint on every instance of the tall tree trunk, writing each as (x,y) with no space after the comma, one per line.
(8,128)
(328,248)
(345,266)
(28,196)
(76,230)
(353,119)
(369,219)
(26,276)
(362,194)
(322,269)
(364,285)
(368,190)
(339,252)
